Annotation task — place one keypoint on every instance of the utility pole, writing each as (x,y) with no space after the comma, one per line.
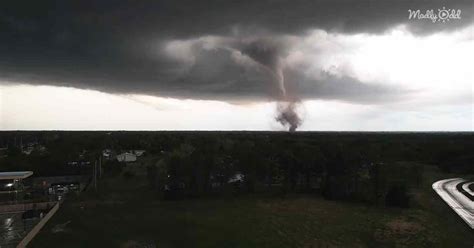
(100,166)
(95,175)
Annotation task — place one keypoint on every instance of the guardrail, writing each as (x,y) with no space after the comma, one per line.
(21,207)
(27,239)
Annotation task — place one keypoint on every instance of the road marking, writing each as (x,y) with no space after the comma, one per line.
(466,188)
(459,202)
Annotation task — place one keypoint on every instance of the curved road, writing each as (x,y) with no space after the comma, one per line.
(458,194)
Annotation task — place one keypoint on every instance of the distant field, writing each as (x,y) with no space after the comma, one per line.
(122,215)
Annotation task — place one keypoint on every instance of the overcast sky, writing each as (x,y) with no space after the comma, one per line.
(228,65)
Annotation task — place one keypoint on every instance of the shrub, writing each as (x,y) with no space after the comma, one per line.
(128,175)
(397,196)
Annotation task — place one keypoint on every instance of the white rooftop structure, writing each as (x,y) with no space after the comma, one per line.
(15,175)
(127,157)
(138,152)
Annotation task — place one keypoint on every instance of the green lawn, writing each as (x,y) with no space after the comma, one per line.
(122,215)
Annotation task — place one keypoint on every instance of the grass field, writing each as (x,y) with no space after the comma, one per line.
(123,214)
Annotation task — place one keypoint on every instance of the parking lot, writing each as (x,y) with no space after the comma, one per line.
(13,228)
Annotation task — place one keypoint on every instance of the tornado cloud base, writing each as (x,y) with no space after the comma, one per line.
(288,116)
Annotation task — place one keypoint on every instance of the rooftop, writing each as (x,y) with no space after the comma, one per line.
(15,175)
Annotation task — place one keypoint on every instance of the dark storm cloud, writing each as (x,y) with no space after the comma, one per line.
(113,46)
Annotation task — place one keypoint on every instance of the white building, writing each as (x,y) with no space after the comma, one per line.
(107,153)
(138,152)
(238,177)
(127,157)
(33,146)
(11,186)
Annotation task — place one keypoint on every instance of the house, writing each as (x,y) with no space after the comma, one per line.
(3,152)
(138,152)
(127,157)
(79,163)
(11,185)
(31,147)
(28,150)
(236,178)
(107,154)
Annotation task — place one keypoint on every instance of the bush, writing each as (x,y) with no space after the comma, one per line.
(112,167)
(128,175)
(397,196)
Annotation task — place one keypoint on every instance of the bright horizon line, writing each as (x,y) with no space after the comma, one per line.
(235,130)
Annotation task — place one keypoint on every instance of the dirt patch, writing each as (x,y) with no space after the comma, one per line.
(138,244)
(298,205)
(95,203)
(401,231)
(60,227)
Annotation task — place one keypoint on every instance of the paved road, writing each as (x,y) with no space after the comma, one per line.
(458,194)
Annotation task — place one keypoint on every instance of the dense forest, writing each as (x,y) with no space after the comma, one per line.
(372,167)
